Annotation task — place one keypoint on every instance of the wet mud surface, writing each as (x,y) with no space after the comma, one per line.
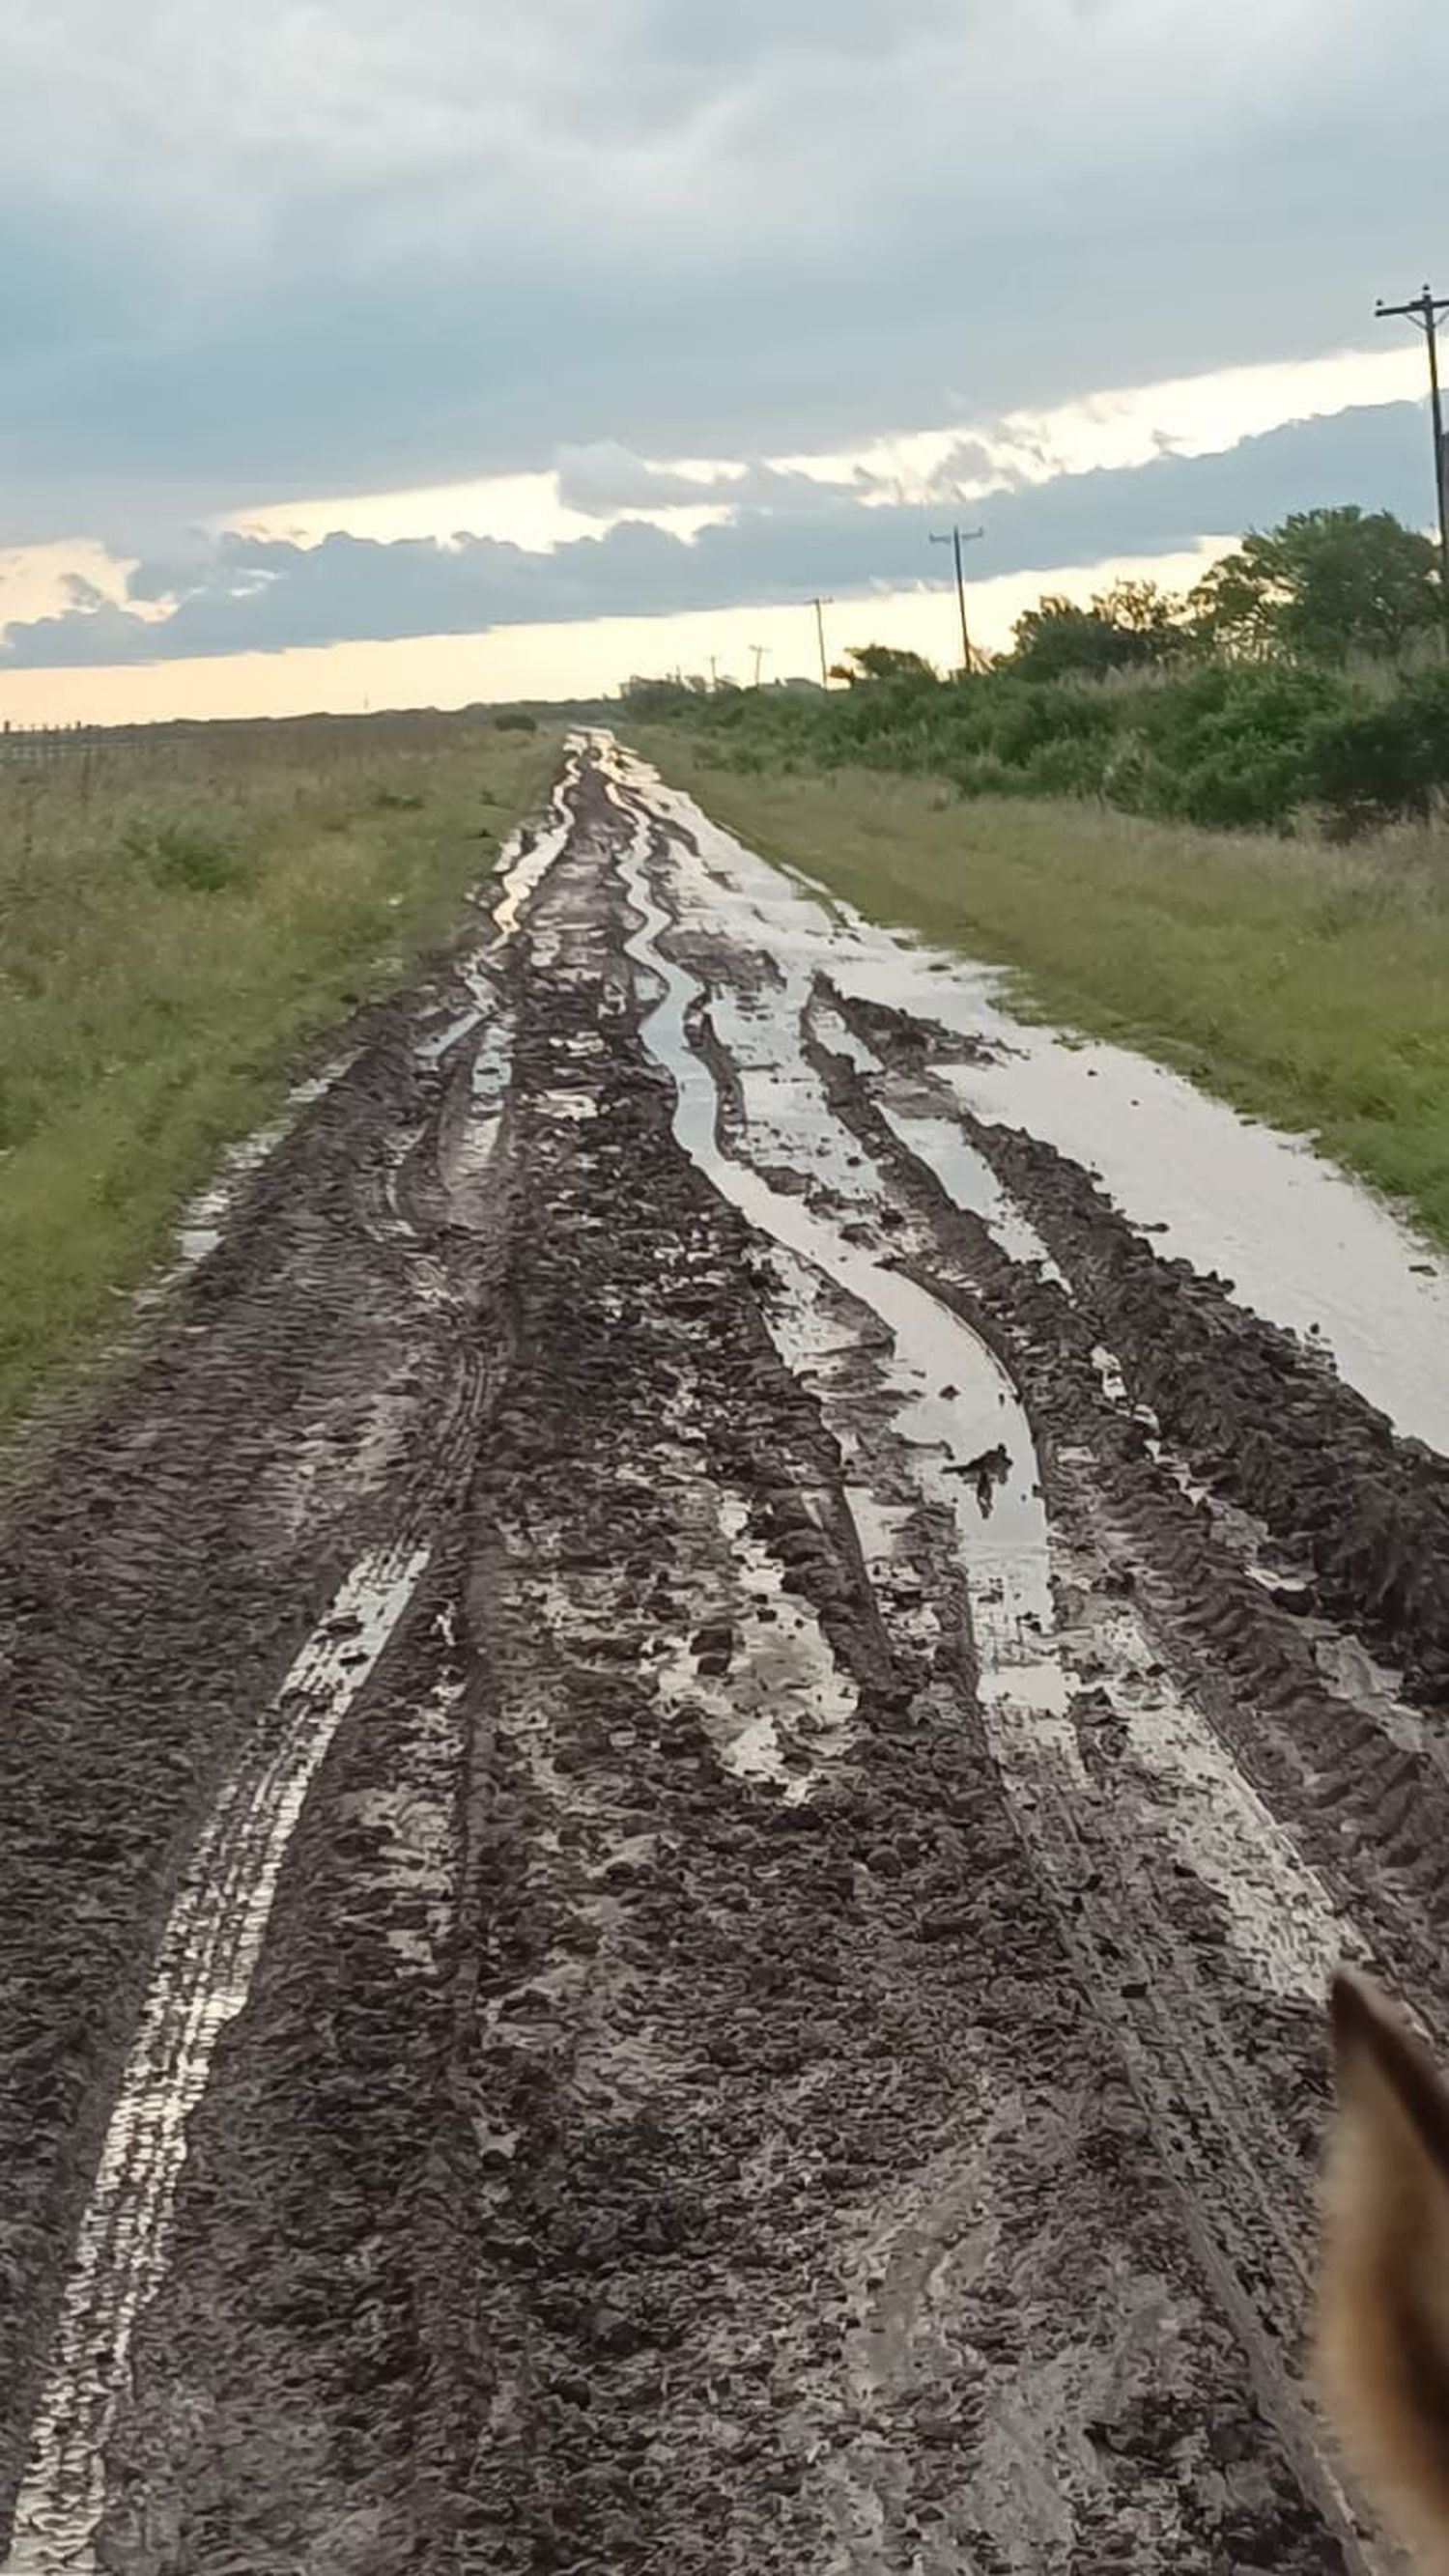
(682,1768)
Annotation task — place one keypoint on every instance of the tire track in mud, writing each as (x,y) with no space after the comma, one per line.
(768,2017)
(1323,1733)
(1243,2199)
(605,2304)
(1224,2126)
(1263,1419)
(415,1181)
(200,1982)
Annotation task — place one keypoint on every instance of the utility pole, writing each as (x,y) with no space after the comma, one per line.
(713,673)
(958,538)
(1426,312)
(820,606)
(759,651)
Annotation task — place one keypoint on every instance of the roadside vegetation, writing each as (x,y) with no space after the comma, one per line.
(1304,680)
(184,914)
(1214,829)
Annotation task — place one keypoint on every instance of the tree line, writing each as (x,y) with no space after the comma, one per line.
(1304,674)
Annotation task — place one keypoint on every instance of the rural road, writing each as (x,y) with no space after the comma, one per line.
(684,1753)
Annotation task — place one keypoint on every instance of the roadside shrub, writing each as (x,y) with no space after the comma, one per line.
(1233,742)
(1134,778)
(1231,745)
(1241,790)
(1385,763)
(1032,719)
(1070,766)
(981,773)
(194,856)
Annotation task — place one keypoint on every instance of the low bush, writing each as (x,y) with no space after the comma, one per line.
(1233,746)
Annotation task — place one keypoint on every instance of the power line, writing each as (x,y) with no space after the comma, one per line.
(958,538)
(1426,311)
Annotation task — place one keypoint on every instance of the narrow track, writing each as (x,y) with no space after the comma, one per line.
(700,1801)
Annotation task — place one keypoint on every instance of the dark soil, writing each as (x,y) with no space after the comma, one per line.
(628,2158)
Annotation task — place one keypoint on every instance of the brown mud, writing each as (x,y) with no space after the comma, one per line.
(737,2067)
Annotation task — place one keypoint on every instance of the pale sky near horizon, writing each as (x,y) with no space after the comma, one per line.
(355,357)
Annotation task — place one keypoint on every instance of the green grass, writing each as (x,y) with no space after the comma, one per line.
(1307,984)
(182,921)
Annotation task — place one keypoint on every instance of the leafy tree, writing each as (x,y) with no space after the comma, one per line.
(1143,608)
(867,662)
(1134,626)
(1325,585)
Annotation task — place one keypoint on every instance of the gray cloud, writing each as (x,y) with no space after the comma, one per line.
(602,481)
(253,595)
(324,246)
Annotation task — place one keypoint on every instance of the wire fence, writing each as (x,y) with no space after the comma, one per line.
(82,752)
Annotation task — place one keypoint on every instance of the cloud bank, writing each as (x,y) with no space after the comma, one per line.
(783,539)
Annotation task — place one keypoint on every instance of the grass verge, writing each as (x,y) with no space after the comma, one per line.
(181,921)
(1308,985)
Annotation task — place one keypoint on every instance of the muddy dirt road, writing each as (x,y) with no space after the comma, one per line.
(682,1762)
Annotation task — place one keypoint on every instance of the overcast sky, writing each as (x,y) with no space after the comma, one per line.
(344,249)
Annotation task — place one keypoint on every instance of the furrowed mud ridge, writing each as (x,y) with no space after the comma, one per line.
(683,1757)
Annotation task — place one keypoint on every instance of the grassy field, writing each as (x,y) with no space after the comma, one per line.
(1307,984)
(180,919)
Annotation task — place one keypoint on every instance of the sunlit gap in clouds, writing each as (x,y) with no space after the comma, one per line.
(46,581)
(525,510)
(1186,416)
